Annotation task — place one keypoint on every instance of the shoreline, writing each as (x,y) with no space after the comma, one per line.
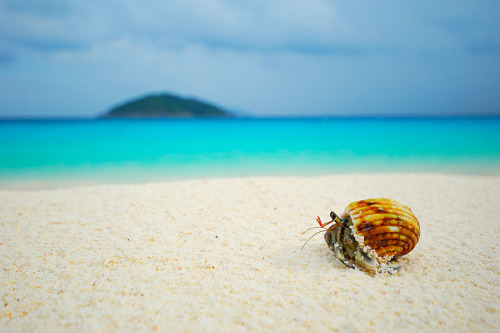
(225,254)
(70,180)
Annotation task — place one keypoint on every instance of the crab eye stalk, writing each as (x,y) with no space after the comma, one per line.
(335,217)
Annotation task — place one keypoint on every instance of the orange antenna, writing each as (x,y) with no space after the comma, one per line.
(319,222)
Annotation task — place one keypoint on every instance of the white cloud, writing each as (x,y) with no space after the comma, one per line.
(313,26)
(301,26)
(259,26)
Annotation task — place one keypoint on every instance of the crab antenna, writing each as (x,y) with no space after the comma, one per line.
(327,223)
(313,228)
(311,238)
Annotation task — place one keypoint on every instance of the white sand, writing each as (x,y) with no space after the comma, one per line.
(224,255)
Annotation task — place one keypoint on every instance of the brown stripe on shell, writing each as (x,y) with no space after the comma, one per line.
(387,242)
(378,215)
(386,230)
(388,249)
(380,208)
(367,229)
(385,219)
(393,227)
(383,210)
(377,204)
(384,247)
(363,204)
(409,245)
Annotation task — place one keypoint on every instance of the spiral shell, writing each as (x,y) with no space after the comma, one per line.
(383,227)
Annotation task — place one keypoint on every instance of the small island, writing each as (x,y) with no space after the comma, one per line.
(166,106)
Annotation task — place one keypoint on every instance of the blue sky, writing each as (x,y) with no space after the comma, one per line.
(263,58)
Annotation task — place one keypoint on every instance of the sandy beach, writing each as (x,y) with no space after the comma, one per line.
(224,255)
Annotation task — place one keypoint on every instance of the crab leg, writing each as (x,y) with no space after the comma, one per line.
(349,243)
(365,261)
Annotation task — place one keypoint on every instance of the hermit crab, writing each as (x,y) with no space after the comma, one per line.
(371,233)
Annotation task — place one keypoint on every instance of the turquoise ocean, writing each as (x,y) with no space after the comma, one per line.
(158,150)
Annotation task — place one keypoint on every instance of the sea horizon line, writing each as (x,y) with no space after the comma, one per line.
(236,118)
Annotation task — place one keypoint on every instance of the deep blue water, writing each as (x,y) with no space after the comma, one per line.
(131,150)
